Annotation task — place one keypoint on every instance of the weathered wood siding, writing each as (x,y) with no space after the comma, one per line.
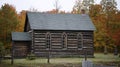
(62,43)
(21,49)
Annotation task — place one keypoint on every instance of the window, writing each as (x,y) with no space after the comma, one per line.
(64,40)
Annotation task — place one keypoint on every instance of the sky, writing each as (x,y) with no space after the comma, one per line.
(44,5)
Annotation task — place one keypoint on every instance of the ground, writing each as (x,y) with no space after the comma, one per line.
(100,59)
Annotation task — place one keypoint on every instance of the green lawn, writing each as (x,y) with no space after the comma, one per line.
(99,58)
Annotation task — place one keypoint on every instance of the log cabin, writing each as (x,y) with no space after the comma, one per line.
(61,35)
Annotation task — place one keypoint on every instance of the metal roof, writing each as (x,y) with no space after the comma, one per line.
(45,21)
(21,36)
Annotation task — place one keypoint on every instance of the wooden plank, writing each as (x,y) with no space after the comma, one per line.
(57,47)
(72,44)
(59,39)
(72,47)
(40,44)
(56,35)
(88,45)
(39,38)
(56,44)
(36,33)
(39,47)
(40,41)
(72,39)
(42,38)
(56,41)
(87,36)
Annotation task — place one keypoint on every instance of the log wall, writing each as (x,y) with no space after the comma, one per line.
(62,43)
(21,49)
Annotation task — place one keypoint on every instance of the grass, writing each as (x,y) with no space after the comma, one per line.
(105,58)
(99,58)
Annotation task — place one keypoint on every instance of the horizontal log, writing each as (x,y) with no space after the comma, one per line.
(39,43)
(71,44)
(37,47)
(72,47)
(56,36)
(40,38)
(56,44)
(55,33)
(56,47)
(56,41)
(57,50)
(72,39)
(39,33)
(88,48)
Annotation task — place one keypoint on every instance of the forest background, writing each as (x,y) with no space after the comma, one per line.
(107,23)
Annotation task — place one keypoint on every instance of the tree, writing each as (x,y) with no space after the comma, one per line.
(114,30)
(53,11)
(32,10)
(107,30)
(57,6)
(82,5)
(87,4)
(8,23)
(21,17)
(108,6)
(77,7)
(98,19)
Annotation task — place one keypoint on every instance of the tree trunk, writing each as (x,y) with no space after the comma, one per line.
(105,50)
(115,51)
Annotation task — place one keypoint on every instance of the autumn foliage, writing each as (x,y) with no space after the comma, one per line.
(10,21)
(107,27)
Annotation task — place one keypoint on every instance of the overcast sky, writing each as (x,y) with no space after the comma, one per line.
(43,5)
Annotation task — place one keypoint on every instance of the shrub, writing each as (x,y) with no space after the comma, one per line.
(2,49)
(31,56)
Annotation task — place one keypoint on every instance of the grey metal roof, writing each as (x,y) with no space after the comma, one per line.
(45,21)
(21,36)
